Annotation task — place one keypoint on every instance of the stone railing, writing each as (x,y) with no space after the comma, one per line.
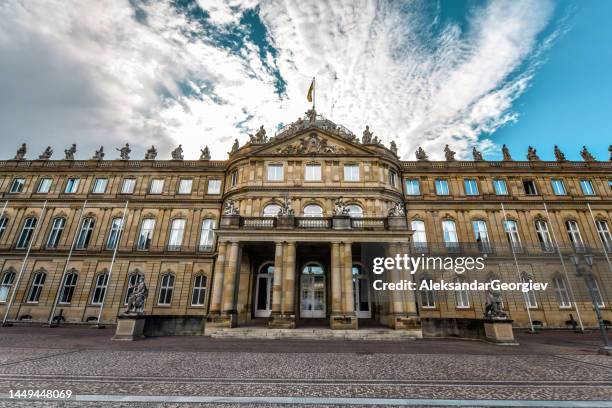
(316,223)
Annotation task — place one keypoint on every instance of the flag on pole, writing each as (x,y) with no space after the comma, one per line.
(311,91)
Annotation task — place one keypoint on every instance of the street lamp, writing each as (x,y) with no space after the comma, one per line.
(587,273)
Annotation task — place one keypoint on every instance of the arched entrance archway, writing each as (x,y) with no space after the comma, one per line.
(263,290)
(312,291)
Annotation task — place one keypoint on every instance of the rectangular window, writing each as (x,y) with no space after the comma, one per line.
(530,187)
(587,187)
(442,187)
(574,235)
(500,187)
(351,172)
(99,289)
(44,185)
(471,187)
(128,186)
(562,293)
(558,187)
(17,185)
(36,288)
(544,236)
(419,237)
(207,235)
(26,233)
(165,290)
(199,291)
(602,229)
(449,229)
(157,186)
(214,187)
(68,288)
(72,185)
(530,296)
(176,234)
(413,187)
(99,186)
(85,233)
(511,228)
(57,228)
(312,172)
(275,172)
(392,178)
(146,234)
(185,186)
(481,235)
(115,233)
(5,286)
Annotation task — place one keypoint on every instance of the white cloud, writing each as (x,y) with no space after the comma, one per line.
(90,72)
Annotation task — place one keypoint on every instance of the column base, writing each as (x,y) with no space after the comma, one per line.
(499,331)
(225,320)
(129,328)
(343,322)
(279,321)
(404,322)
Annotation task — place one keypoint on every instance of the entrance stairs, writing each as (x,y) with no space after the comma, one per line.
(309,333)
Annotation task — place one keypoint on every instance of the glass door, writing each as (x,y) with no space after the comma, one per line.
(312,292)
(361,293)
(263,291)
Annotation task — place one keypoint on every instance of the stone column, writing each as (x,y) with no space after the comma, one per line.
(231,272)
(347,276)
(217,290)
(278,277)
(289,284)
(283,293)
(336,279)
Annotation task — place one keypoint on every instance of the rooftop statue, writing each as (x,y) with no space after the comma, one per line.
(393,147)
(376,140)
(476,154)
(559,154)
(205,153)
(586,155)
(397,210)
(124,152)
(367,135)
(610,150)
(531,154)
(311,114)
(506,153)
(21,152)
(230,208)
(449,154)
(260,136)
(235,146)
(421,155)
(177,154)
(46,155)
(151,153)
(136,300)
(99,155)
(70,152)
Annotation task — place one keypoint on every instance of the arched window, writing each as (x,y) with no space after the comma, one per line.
(132,280)
(6,284)
(419,237)
(597,293)
(207,235)
(70,281)
(177,229)
(199,290)
(313,210)
(427,295)
(115,233)
(530,296)
(26,232)
(512,233)
(462,298)
(3,225)
(57,228)
(543,235)
(573,233)
(165,289)
(99,291)
(85,233)
(146,234)
(481,235)
(38,282)
(271,210)
(562,292)
(355,211)
(449,231)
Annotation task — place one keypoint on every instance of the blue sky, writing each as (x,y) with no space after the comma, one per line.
(203,72)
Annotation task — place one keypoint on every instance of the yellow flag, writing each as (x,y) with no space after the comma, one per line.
(310,91)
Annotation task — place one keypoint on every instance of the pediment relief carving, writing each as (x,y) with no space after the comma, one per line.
(311,144)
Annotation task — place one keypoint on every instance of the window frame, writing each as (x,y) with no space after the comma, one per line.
(55,233)
(95,186)
(30,232)
(575,236)
(483,234)
(115,232)
(349,170)
(133,276)
(6,284)
(515,244)
(500,182)
(441,185)
(176,235)
(410,187)
(427,297)
(318,174)
(166,289)
(44,181)
(72,185)
(149,236)
(36,287)
(206,242)
(561,291)
(217,184)
(543,234)
(85,229)
(393,178)
(200,288)
(589,183)
(532,183)
(17,185)
(68,287)
(181,190)
(272,169)
(99,288)
(558,187)
(419,244)
(603,230)
(462,297)
(157,182)
(124,184)
(470,187)
(4,220)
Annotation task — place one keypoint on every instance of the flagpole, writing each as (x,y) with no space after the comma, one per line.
(314,92)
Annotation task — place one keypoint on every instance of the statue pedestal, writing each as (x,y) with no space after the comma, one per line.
(230,221)
(397,222)
(499,331)
(343,322)
(129,327)
(341,222)
(285,221)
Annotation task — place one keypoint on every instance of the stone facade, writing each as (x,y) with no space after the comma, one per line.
(283,233)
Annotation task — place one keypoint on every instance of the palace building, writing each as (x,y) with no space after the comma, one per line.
(283,233)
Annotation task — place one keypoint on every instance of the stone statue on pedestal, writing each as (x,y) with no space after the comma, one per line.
(367,135)
(70,152)
(506,153)
(230,208)
(46,155)
(285,208)
(235,146)
(205,153)
(493,305)
(124,152)
(421,155)
(586,155)
(21,152)
(532,155)
(449,154)
(99,155)
(559,154)
(393,147)
(260,136)
(177,154)
(136,300)
(151,153)
(340,207)
(397,210)
(476,154)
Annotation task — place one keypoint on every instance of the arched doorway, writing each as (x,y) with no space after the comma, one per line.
(312,291)
(361,293)
(263,290)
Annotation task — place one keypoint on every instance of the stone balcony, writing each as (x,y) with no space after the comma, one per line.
(289,222)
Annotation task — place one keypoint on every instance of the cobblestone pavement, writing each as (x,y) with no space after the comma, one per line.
(547,369)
